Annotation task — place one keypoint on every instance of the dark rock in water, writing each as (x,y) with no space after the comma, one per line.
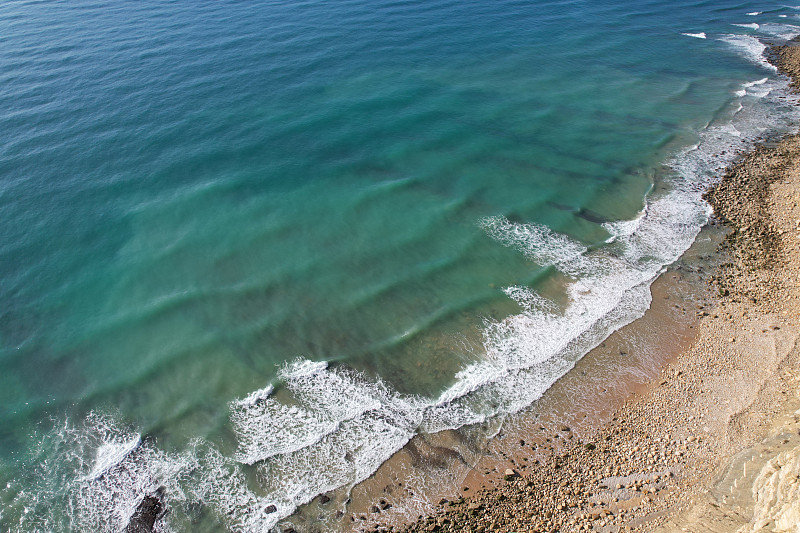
(269,509)
(149,511)
(324,499)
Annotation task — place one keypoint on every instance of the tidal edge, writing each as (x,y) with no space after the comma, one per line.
(713,444)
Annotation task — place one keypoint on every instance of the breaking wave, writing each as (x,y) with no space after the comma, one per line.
(331,427)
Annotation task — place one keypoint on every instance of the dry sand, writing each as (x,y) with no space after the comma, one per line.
(714,443)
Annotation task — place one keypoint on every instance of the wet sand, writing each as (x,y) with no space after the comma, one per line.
(703,432)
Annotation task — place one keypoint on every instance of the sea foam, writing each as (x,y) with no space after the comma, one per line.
(110,454)
(750,48)
(782,31)
(757,88)
(92,474)
(328,427)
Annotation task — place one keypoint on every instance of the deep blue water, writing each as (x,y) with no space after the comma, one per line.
(248,250)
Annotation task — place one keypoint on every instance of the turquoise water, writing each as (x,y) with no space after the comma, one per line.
(248,251)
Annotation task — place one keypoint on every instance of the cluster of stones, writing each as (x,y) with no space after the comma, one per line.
(588,486)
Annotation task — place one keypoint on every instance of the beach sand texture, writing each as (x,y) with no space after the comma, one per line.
(714,443)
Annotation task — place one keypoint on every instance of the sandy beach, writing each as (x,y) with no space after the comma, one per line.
(713,442)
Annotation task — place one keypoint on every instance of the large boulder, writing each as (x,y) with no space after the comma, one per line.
(149,511)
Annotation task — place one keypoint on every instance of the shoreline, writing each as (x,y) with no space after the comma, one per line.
(455,463)
(688,450)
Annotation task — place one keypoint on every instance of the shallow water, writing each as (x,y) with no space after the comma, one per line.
(249,252)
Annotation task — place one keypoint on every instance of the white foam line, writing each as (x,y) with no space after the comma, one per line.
(223,487)
(624,228)
(323,400)
(300,368)
(701,35)
(757,89)
(783,31)
(340,458)
(255,397)
(762,81)
(110,454)
(750,25)
(539,243)
(750,48)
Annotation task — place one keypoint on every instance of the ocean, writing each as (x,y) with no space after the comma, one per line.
(249,250)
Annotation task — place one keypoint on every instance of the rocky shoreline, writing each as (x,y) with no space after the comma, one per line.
(714,443)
